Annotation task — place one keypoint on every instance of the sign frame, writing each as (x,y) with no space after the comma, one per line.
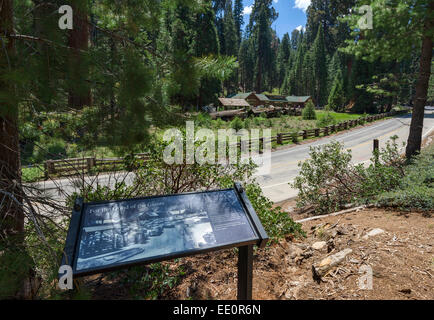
(245,253)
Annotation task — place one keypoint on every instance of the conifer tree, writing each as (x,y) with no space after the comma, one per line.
(336,98)
(411,23)
(283,56)
(238,18)
(320,67)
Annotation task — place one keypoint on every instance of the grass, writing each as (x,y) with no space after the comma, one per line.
(282,124)
(338,116)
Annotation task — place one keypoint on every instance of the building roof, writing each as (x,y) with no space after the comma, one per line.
(301,99)
(276,98)
(261,97)
(231,102)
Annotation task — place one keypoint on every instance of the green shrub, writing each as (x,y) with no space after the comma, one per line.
(269,123)
(276,222)
(237,124)
(49,148)
(328,180)
(415,190)
(219,123)
(149,282)
(247,123)
(326,120)
(309,111)
(32,174)
(203,120)
(257,121)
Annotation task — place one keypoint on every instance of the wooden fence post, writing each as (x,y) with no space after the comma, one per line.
(376,150)
(50,168)
(326,131)
(90,162)
(279,138)
(46,171)
(304,134)
(316,132)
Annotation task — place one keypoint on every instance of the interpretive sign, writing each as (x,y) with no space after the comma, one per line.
(109,235)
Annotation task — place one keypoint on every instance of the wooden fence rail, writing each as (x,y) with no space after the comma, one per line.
(73,166)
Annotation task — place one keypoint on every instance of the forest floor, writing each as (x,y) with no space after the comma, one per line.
(401,258)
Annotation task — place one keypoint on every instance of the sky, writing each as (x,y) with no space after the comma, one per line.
(292,14)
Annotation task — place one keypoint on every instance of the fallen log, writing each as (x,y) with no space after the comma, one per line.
(321,268)
(333,214)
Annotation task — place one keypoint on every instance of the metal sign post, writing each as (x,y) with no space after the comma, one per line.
(245,272)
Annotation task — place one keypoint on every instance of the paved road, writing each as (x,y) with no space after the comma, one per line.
(284,166)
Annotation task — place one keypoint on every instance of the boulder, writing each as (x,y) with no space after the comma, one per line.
(373,233)
(319,245)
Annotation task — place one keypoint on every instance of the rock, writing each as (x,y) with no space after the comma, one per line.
(321,268)
(373,233)
(406,291)
(330,245)
(341,231)
(319,245)
(294,251)
(302,246)
(304,255)
(191,289)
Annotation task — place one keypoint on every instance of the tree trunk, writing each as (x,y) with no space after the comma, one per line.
(9,146)
(15,263)
(415,137)
(79,93)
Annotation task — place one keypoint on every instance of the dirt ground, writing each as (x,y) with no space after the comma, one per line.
(401,258)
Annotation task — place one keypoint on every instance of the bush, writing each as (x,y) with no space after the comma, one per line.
(247,123)
(32,174)
(219,123)
(309,111)
(257,121)
(149,282)
(53,148)
(237,124)
(326,120)
(276,222)
(415,190)
(328,180)
(203,120)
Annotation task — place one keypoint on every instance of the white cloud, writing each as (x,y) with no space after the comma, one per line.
(275,1)
(302,4)
(299,28)
(248,9)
